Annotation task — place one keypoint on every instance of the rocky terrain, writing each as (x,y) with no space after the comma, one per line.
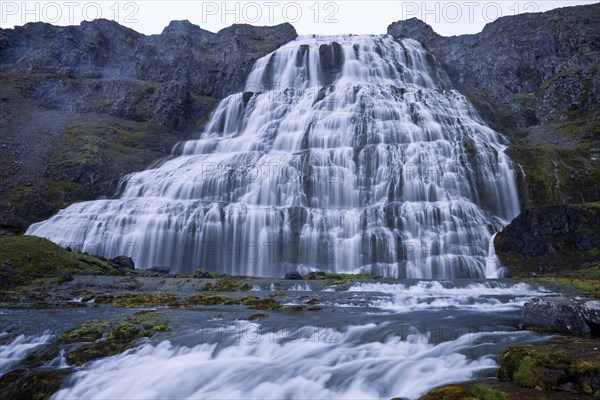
(533,77)
(82,106)
(552,239)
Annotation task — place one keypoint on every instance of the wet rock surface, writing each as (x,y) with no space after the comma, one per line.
(555,314)
(552,239)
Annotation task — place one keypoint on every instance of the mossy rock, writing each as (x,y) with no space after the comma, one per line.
(122,337)
(145,300)
(125,332)
(86,332)
(571,365)
(28,384)
(96,350)
(262,304)
(474,391)
(210,300)
(228,284)
(495,390)
(257,316)
(39,357)
(448,392)
(158,326)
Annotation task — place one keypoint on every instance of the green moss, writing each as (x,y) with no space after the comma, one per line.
(124,332)
(576,127)
(159,326)
(59,190)
(209,300)
(31,384)
(548,366)
(228,284)
(96,350)
(19,193)
(145,300)
(544,86)
(26,258)
(448,392)
(583,285)
(523,374)
(122,337)
(86,332)
(262,304)
(39,357)
(484,392)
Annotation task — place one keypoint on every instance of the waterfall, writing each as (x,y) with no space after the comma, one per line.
(344,154)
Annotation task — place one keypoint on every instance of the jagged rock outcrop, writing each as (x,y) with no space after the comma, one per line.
(551,239)
(533,77)
(81,106)
(552,57)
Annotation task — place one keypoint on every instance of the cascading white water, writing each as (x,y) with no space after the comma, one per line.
(345,154)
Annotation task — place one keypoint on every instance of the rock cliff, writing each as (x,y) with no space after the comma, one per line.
(81,106)
(533,77)
(552,239)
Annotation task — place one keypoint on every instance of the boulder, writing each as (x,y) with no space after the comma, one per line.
(554,314)
(591,312)
(294,275)
(202,274)
(64,277)
(123,262)
(160,270)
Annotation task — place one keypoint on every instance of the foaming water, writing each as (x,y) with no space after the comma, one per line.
(435,295)
(315,364)
(14,351)
(345,154)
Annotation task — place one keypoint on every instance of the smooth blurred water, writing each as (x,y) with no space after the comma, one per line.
(393,338)
(345,154)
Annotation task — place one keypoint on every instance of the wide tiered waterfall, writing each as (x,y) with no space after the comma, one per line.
(344,154)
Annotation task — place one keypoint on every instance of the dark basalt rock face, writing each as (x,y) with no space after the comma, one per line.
(332,59)
(533,77)
(81,106)
(551,239)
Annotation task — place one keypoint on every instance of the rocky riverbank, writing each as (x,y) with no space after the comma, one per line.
(106,307)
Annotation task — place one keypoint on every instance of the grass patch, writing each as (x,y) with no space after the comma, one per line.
(24,259)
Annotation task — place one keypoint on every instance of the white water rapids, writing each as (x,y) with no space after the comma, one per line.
(345,154)
(371,340)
